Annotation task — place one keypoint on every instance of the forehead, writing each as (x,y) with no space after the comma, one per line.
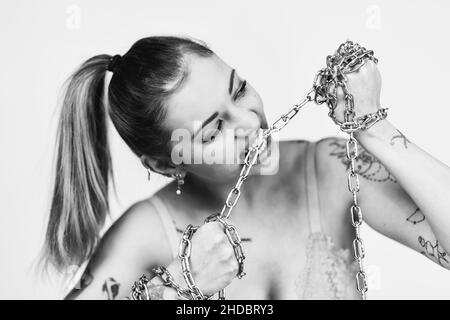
(203,92)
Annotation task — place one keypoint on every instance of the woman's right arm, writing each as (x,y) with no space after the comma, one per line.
(133,244)
(136,242)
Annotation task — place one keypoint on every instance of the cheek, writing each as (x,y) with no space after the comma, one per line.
(255,99)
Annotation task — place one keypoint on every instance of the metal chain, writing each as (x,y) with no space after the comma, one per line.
(235,240)
(356,215)
(139,290)
(168,280)
(347,59)
(184,253)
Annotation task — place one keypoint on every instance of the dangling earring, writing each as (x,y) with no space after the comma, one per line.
(180,180)
(148,173)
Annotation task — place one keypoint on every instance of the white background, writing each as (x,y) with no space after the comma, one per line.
(278,46)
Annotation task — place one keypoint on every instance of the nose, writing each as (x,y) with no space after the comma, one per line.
(245,122)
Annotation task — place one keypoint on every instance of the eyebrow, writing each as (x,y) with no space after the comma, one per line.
(215,114)
(230,89)
(210,118)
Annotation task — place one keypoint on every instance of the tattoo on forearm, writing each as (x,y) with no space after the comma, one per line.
(83,283)
(434,251)
(366,165)
(111,288)
(416,217)
(402,137)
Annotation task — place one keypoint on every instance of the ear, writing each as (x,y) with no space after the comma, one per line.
(158,165)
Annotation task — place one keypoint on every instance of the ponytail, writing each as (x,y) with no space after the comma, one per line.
(80,196)
(149,73)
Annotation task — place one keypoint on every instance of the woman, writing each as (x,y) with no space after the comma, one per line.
(294,221)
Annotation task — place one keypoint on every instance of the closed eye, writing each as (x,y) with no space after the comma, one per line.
(214,132)
(242,90)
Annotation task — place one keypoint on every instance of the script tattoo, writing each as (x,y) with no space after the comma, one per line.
(434,251)
(83,283)
(111,288)
(416,217)
(366,165)
(402,137)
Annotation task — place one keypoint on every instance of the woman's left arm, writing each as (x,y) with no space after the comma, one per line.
(420,181)
(407,192)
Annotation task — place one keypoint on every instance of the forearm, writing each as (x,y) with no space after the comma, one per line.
(424,178)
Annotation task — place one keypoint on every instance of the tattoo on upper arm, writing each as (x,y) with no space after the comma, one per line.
(111,288)
(83,283)
(416,217)
(434,252)
(366,165)
(401,136)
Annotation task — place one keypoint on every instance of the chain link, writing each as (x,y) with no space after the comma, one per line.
(356,215)
(168,280)
(184,253)
(348,58)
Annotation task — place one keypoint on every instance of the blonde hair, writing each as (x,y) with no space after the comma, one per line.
(136,97)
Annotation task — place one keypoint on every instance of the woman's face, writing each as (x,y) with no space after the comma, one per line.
(214,117)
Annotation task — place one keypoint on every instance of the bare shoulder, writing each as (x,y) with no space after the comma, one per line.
(331,155)
(137,235)
(333,166)
(129,248)
(332,152)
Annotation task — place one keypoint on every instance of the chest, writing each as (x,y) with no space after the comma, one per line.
(275,230)
(277,247)
(275,256)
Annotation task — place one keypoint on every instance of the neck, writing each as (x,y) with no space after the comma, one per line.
(211,194)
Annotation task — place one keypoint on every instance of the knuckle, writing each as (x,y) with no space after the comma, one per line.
(218,238)
(218,226)
(235,267)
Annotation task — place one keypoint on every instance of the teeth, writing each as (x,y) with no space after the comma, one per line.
(264,145)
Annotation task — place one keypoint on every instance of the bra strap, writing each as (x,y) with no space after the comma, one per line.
(311,189)
(168,224)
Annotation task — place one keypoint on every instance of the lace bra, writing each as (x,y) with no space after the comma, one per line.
(329,272)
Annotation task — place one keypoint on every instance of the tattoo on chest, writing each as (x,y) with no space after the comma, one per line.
(366,165)
(416,217)
(400,136)
(111,288)
(434,251)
